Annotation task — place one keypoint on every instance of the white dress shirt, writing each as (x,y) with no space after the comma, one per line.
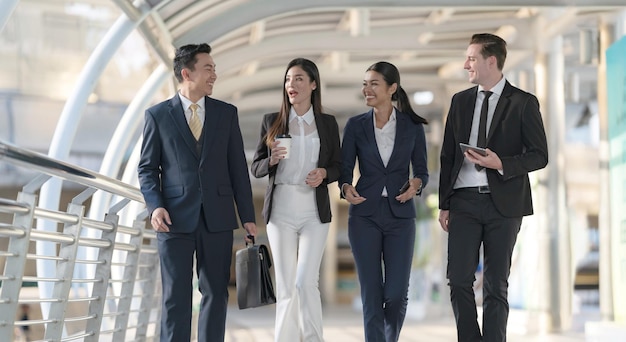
(468,175)
(385,140)
(187,102)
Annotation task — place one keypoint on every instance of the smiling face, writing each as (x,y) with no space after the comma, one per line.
(201,79)
(299,87)
(376,91)
(481,70)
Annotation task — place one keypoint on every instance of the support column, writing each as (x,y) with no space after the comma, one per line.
(328,269)
(561,289)
(606,289)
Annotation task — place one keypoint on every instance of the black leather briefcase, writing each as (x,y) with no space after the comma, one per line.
(254,282)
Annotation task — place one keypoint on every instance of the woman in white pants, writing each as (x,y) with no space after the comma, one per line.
(297,206)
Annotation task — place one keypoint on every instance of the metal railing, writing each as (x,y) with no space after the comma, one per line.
(119,299)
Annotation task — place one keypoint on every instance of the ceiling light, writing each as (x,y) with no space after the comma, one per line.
(423,98)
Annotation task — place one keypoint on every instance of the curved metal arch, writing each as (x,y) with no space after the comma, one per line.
(216,24)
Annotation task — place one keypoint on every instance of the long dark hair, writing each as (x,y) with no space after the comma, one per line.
(391,75)
(280,124)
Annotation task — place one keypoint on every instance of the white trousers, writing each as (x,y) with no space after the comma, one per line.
(297,239)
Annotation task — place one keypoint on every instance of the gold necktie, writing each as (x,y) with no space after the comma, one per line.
(194,123)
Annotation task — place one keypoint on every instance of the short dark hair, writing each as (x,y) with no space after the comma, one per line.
(186,57)
(492,45)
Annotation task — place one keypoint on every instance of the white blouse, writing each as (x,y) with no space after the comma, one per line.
(305,149)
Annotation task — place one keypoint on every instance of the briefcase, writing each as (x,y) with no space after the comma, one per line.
(254,282)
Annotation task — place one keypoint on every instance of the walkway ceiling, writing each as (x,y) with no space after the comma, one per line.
(254,40)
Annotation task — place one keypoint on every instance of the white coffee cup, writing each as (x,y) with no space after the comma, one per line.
(284,140)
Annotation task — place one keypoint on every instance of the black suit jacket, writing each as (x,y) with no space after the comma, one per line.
(173,175)
(329,159)
(516,134)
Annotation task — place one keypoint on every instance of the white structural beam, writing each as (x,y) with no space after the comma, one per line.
(243,13)
(66,130)
(325,42)
(121,140)
(6,9)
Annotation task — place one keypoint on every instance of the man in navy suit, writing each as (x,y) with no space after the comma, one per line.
(192,172)
(484,197)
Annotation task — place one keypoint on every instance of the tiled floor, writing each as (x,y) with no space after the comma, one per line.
(343,324)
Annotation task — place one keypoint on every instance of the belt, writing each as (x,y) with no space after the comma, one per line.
(483,189)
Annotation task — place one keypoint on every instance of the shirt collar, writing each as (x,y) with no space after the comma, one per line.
(392,117)
(187,102)
(308,116)
(497,89)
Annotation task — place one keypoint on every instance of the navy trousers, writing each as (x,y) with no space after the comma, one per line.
(382,245)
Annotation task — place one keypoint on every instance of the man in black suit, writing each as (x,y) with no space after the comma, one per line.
(484,197)
(192,171)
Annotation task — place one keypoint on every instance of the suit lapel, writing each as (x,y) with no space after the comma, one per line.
(401,126)
(178,116)
(368,128)
(501,107)
(467,113)
(211,123)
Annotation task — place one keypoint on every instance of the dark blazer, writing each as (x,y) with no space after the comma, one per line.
(516,134)
(409,147)
(174,176)
(329,158)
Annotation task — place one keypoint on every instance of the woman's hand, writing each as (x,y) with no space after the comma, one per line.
(351,195)
(315,177)
(415,185)
(277,153)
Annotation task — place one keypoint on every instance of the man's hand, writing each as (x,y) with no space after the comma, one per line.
(250,228)
(444,219)
(351,195)
(160,220)
(490,161)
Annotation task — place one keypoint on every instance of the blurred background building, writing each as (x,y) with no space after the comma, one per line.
(76,76)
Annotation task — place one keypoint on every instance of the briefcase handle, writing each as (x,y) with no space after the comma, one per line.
(250,237)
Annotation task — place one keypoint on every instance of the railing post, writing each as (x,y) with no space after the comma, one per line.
(65,267)
(14,265)
(128,283)
(150,272)
(103,274)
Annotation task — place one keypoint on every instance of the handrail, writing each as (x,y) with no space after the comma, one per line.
(66,171)
(124,258)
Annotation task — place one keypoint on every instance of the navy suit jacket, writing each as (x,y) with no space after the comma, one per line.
(359,142)
(516,134)
(173,175)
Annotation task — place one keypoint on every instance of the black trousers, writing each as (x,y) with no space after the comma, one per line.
(473,221)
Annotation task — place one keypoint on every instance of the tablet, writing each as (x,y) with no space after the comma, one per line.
(479,150)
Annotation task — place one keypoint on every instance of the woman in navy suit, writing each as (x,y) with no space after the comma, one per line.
(297,205)
(388,142)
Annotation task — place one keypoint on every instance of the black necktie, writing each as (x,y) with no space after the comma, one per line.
(482,124)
